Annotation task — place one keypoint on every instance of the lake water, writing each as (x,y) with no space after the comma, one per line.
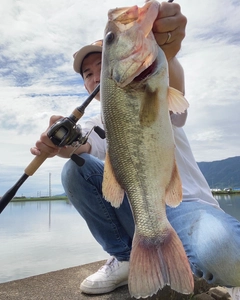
(42,236)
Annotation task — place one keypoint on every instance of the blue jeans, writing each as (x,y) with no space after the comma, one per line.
(211,238)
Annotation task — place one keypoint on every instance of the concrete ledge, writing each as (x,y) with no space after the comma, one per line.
(64,285)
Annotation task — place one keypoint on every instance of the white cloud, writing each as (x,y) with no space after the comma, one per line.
(38,39)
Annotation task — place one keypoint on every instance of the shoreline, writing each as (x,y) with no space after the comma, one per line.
(22,199)
(226,192)
(64,284)
(65,198)
(16,199)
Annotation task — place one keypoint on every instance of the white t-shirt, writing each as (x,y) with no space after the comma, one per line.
(194,184)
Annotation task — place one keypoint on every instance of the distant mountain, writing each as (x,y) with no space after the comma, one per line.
(222,173)
(61,195)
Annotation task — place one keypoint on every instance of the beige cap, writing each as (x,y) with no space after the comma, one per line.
(80,55)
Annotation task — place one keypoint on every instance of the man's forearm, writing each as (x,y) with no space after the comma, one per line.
(176,80)
(176,75)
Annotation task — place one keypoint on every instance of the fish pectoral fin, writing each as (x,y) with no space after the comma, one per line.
(174,190)
(149,109)
(111,189)
(177,103)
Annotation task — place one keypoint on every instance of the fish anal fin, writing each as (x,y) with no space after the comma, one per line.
(177,103)
(111,189)
(173,196)
(154,265)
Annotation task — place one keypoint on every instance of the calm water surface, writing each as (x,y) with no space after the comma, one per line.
(41,236)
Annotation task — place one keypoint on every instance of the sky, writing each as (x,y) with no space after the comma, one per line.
(38,39)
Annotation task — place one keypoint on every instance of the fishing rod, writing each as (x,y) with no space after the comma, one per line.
(64,132)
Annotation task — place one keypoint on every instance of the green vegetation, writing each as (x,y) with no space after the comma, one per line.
(225,192)
(23,198)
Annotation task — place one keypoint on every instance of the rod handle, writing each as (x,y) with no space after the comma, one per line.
(36,163)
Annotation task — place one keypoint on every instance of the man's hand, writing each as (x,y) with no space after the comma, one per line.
(44,144)
(169,20)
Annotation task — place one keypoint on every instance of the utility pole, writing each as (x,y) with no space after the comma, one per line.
(50,205)
(50,186)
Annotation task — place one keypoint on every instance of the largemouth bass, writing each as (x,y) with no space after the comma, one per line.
(136,100)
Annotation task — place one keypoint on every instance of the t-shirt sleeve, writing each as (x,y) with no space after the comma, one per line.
(178,120)
(98,145)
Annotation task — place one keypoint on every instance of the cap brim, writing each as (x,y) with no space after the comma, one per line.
(79,56)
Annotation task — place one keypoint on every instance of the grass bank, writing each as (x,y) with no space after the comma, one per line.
(225,192)
(15,199)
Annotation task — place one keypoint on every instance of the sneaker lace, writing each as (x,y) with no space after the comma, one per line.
(110,265)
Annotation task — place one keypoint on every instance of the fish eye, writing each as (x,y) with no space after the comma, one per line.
(109,37)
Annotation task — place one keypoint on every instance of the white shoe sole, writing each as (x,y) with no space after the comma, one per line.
(100,290)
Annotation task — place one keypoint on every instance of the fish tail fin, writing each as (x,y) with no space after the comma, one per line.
(154,265)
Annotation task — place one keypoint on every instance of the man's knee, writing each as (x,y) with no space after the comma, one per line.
(67,170)
(72,172)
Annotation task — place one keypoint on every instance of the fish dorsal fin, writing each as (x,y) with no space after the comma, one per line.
(177,103)
(111,189)
(174,190)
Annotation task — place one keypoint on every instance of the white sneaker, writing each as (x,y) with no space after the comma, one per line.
(234,292)
(109,277)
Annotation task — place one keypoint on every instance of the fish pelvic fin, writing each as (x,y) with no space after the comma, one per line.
(154,265)
(111,189)
(174,190)
(177,103)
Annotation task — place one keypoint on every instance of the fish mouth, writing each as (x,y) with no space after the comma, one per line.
(147,72)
